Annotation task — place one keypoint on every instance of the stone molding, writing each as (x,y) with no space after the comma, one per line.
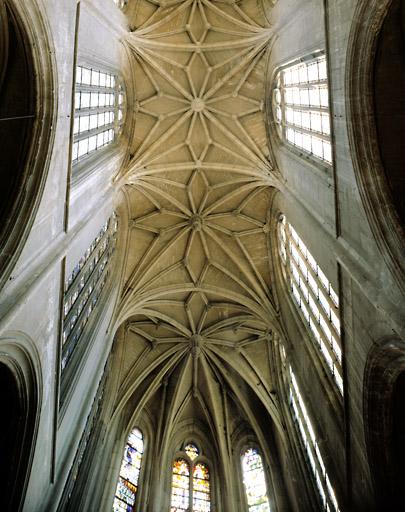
(373,187)
(20,220)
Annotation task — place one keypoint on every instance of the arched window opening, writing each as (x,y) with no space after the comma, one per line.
(190,494)
(309,442)
(254,481)
(192,451)
(127,486)
(301,103)
(201,488)
(99,102)
(180,486)
(314,296)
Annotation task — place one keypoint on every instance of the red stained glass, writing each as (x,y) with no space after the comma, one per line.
(201,488)
(180,486)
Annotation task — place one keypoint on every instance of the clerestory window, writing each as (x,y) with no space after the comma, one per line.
(127,487)
(99,103)
(254,481)
(314,296)
(191,490)
(83,288)
(309,440)
(301,104)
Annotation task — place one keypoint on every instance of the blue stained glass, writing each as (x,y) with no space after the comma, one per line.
(127,486)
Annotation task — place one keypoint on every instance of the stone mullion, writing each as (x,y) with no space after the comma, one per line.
(321,333)
(310,312)
(315,298)
(321,471)
(81,315)
(314,275)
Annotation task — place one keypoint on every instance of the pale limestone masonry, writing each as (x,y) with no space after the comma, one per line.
(187,334)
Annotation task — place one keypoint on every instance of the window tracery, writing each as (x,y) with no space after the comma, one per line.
(127,487)
(309,440)
(301,103)
(99,102)
(254,481)
(190,482)
(314,296)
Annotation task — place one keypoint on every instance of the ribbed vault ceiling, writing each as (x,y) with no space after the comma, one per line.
(197,300)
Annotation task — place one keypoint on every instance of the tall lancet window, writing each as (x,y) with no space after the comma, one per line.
(314,296)
(301,103)
(190,482)
(254,481)
(99,103)
(127,486)
(310,443)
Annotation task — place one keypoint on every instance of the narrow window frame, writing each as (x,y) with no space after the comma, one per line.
(83,292)
(101,101)
(306,432)
(317,319)
(279,106)
(135,504)
(243,453)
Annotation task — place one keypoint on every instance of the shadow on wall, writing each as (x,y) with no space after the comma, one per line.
(26,118)
(19,402)
(384,399)
(389,99)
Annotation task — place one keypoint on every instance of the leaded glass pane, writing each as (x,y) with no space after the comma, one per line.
(310,444)
(314,296)
(192,451)
(180,500)
(129,474)
(302,106)
(254,481)
(98,111)
(201,488)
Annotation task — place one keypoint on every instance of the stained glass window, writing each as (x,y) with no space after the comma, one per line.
(254,481)
(192,451)
(180,486)
(201,488)
(314,296)
(190,494)
(127,486)
(83,289)
(302,107)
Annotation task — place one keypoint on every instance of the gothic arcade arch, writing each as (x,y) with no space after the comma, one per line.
(384,420)
(20,400)
(368,136)
(27,115)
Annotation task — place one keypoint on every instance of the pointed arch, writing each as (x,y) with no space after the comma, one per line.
(254,481)
(191,481)
(180,498)
(127,487)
